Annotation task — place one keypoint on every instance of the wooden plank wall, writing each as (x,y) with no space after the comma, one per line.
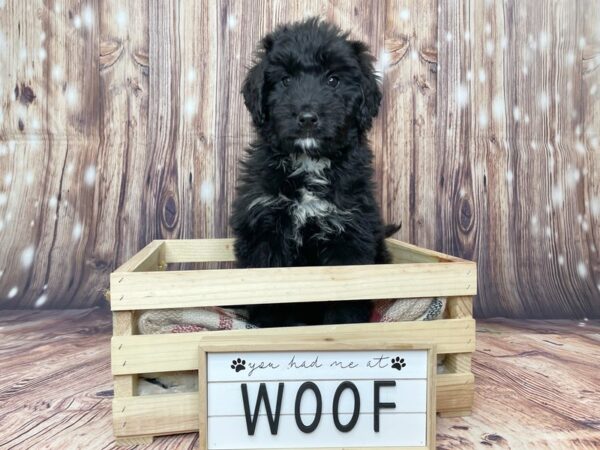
(121,122)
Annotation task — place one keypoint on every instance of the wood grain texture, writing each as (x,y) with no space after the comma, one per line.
(122,122)
(536,385)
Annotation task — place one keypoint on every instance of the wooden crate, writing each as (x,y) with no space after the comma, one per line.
(142,284)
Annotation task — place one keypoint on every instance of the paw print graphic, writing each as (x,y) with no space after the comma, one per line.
(398,363)
(238,364)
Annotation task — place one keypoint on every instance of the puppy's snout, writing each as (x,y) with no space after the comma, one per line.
(308,119)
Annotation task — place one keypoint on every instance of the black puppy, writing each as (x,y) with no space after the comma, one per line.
(305,192)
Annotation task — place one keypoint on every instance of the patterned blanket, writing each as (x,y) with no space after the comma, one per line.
(214,318)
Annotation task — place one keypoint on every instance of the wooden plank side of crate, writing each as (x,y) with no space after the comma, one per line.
(147,259)
(405,252)
(198,250)
(178,413)
(199,288)
(210,250)
(170,352)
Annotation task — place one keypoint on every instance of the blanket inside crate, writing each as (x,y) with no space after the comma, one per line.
(191,320)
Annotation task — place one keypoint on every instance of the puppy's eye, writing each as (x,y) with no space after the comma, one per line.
(286,81)
(333,81)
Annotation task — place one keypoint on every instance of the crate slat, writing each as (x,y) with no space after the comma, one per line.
(197,288)
(147,259)
(198,250)
(178,413)
(170,352)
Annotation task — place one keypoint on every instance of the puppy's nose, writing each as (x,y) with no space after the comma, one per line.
(308,119)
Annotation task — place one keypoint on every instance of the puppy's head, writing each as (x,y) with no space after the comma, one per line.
(311,88)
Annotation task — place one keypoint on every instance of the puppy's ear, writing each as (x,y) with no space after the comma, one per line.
(371,92)
(253,88)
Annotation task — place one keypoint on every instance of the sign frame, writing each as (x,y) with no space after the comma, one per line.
(260,344)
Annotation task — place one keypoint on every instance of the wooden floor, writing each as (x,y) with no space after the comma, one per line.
(537,385)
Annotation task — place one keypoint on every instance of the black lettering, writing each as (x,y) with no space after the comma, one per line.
(378,404)
(262,396)
(315,423)
(336,400)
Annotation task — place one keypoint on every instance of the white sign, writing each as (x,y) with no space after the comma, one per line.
(316,399)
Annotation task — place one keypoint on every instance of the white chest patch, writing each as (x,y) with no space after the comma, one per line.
(306,143)
(310,203)
(313,168)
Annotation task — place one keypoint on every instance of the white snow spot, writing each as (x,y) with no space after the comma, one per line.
(207,191)
(383,62)
(570,58)
(557,195)
(543,40)
(77,21)
(42,37)
(69,169)
(57,73)
(232,22)
(404,14)
(41,300)
(414,55)
(516,113)
(42,54)
(580,147)
(77,231)
(462,95)
(3,198)
(53,202)
(29,178)
(543,101)
(573,176)
(498,107)
(88,17)
(595,206)
(448,37)
(27,257)
(484,119)
(469,75)
(191,75)
(594,89)
(489,47)
(13,292)
(462,192)
(467,35)
(191,107)
(89,177)
(45,286)
(548,232)
(488,28)
(1,224)
(8,179)
(585,226)
(578,130)
(57,8)
(482,76)
(23,54)
(504,42)
(510,176)
(582,270)
(3,150)
(2,4)
(122,18)
(72,96)
(35,123)
(525,70)
(526,119)
(582,42)
(561,260)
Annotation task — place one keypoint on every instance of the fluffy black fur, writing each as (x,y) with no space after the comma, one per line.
(305,195)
